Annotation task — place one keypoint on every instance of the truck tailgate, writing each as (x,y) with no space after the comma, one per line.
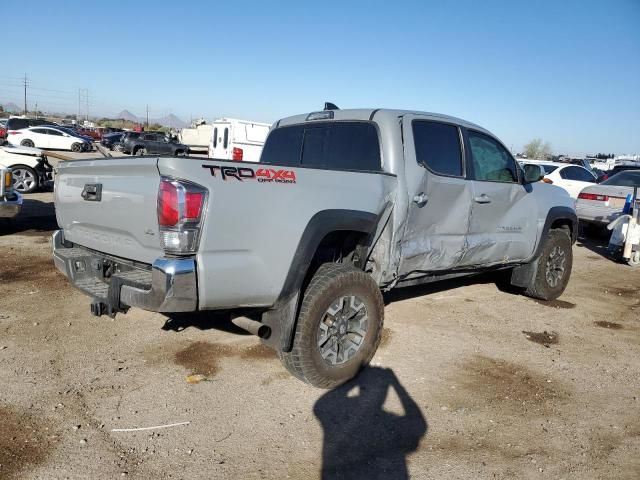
(120,218)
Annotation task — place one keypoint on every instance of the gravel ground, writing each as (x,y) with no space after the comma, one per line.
(470,382)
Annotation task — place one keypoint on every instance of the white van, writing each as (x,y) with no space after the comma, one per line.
(197,137)
(240,140)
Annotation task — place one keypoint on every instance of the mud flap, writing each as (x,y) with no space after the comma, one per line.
(524,275)
(282,322)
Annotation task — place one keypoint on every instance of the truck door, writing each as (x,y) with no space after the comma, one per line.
(439,196)
(504,213)
(223,141)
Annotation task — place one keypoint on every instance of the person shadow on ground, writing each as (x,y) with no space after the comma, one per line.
(361,439)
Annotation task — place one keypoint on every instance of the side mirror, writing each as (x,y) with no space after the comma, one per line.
(533,173)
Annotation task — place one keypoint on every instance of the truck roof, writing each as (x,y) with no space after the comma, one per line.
(380,115)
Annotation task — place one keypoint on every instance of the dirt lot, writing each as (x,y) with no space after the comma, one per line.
(470,382)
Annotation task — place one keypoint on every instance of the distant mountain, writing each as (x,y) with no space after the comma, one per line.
(127,115)
(11,107)
(166,121)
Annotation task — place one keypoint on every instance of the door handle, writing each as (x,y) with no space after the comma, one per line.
(420,199)
(484,198)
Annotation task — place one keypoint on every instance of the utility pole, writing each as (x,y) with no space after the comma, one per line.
(147,116)
(25,83)
(36,109)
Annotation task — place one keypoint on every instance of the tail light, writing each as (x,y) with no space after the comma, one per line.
(181,206)
(593,196)
(14,132)
(237,154)
(547,180)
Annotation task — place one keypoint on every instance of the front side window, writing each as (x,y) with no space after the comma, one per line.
(54,132)
(438,147)
(578,174)
(490,161)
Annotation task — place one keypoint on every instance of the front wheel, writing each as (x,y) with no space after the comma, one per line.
(554,266)
(27,143)
(76,147)
(338,328)
(25,179)
(140,151)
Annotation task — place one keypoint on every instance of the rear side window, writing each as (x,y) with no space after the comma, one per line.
(577,173)
(50,131)
(215,137)
(225,140)
(17,123)
(283,146)
(438,147)
(339,146)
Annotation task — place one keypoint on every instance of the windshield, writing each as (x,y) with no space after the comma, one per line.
(629,178)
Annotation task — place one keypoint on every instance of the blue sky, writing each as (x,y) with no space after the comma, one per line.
(568,71)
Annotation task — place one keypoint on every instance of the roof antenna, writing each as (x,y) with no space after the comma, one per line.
(330,106)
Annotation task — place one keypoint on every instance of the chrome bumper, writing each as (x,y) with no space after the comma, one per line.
(9,208)
(169,286)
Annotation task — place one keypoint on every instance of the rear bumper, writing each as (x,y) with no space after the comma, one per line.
(170,285)
(10,207)
(597,215)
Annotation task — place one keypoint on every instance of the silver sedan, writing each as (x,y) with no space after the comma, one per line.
(601,204)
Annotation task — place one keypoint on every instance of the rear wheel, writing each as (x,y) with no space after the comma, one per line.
(140,151)
(25,179)
(27,143)
(179,153)
(554,266)
(339,326)
(76,147)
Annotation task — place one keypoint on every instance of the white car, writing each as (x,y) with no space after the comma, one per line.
(572,178)
(48,137)
(30,167)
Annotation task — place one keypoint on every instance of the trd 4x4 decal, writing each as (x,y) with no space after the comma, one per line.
(245,173)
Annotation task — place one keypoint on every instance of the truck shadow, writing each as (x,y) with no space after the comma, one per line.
(596,243)
(177,322)
(36,218)
(362,440)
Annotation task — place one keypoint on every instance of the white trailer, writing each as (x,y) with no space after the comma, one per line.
(240,140)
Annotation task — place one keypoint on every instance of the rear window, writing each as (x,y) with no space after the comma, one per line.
(17,123)
(338,146)
(629,178)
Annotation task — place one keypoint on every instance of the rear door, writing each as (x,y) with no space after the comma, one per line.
(151,143)
(121,219)
(504,213)
(56,139)
(222,144)
(39,137)
(575,179)
(439,196)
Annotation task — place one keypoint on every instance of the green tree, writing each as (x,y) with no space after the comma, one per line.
(536,149)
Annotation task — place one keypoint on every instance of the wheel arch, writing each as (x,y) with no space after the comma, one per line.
(347,232)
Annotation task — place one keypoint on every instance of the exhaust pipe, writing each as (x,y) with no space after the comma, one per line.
(252,326)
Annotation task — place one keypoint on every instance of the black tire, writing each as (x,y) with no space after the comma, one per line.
(25,179)
(76,147)
(179,153)
(549,282)
(140,151)
(331,283)
(27,143)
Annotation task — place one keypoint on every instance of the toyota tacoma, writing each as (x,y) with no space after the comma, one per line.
(344,204)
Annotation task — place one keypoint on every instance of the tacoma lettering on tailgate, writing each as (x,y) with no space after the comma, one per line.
(262,175)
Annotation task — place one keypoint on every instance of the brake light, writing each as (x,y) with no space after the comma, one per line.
(593,196)
(180,210)
(14,132)
(237,154)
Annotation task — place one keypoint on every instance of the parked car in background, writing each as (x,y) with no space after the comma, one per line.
(571,177)
(47,137)
(599,205)
(621,167)
(239,140)
(127,140)
(10,200)
(3,130)
(111,139)
(155,143)
(19,123)
(30,167)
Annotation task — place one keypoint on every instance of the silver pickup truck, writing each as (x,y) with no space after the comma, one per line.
(343,204)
